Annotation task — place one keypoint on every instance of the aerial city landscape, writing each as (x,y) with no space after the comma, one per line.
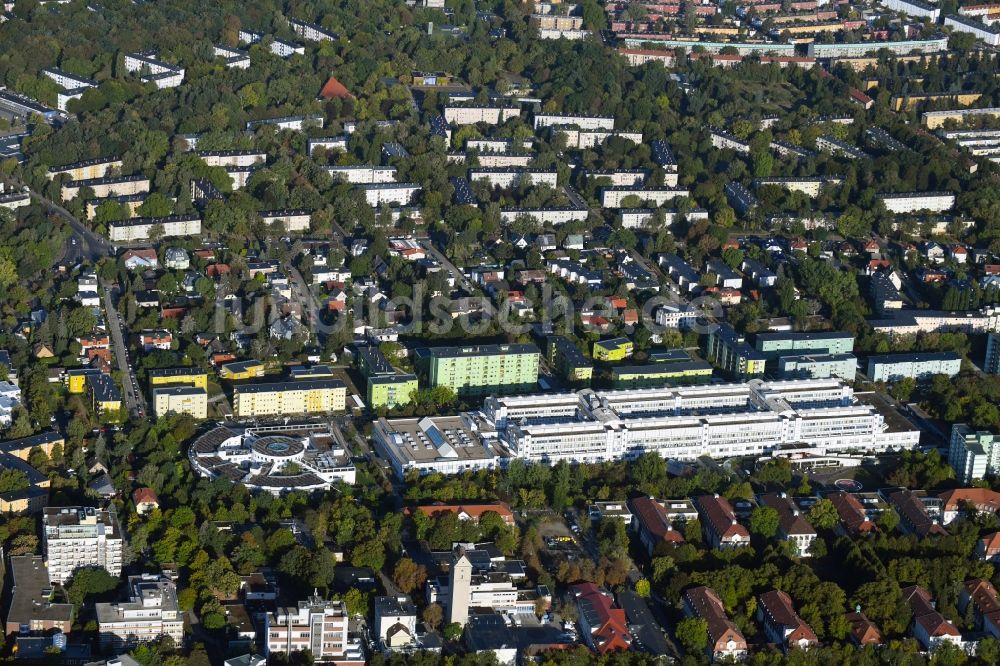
(500,332)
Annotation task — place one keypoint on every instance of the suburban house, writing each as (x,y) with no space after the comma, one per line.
(929,626)
(721,528)
(652,523)
(724,639)
(603,626)
(782,625)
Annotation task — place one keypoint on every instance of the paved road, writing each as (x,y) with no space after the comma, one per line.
(135,403)
(459,275)
(84,244)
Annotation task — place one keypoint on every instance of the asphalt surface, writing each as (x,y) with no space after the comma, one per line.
(135,403)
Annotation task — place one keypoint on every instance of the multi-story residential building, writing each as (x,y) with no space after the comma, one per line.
(911,202)
(792,527)
(153,70)
(603,625)
(105,398)
(291,221)
(317,625)
(480,369)
(731,352)
(231,158)
(617,197)
(328,144)
(107,187)
(387,387)
(79,536)
(782,624)
(991,364)
(381,194)
(150,613)
(189,400)
(233,58)
(140,229)
(580,139)
(508,178)
(178,376)
(724,140)
(719,522)
(809,186)
(936,119)
(283,49)
(973,454)
(913,8)
(574,120)
(472,115)
(552,216)
(72,86)
(725,641)
(620,177)
(31,609)
(776,345)
(307,396)
(637,218)
(968,502)
(293,123)
(854,49)
(818,366)
(922,366)
(987,33)
(310,31)
(616,349)
(363,173)
(567,359)
(661,374)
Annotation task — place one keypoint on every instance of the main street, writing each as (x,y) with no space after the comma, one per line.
(84,243)
(135,403)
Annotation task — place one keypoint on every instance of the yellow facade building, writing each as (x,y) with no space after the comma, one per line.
(305,396)
(76,379)
(186,376)
(617,349)
(190,400)
(242,370)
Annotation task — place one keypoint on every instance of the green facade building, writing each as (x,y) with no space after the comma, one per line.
(387,386)
(797,343)
(661,374)
(569,362)
(480,369)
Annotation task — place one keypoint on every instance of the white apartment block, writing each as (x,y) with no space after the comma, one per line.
(72,86)
(973,454)
(723,140)
(291,220)
(811,187)
(335,143)
(86,170)
(507,178)
(103,188)
(231,158)
(573,120)
(79,536)
(893,367)
(583,139)
(284,49)
(363,174)
(150,614)
(912,322)
(858,49)
(491,145)
(911,202)
(234,58)
(471,115)
(750,419)
(913,8)
(380,194)
(620,177)
(153,70)
(503,160)
(556,22)
(987,33)
(316,625)
(556,33)
(553,216)
(241,175)
(295,123)
(638,218)
(138,229)
(612,197)
(310,31)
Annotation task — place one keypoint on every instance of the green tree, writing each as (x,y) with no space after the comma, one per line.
(692,632)
(823,515)
(764,521)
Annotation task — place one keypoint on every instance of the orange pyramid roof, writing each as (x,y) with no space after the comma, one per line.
(334,88)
